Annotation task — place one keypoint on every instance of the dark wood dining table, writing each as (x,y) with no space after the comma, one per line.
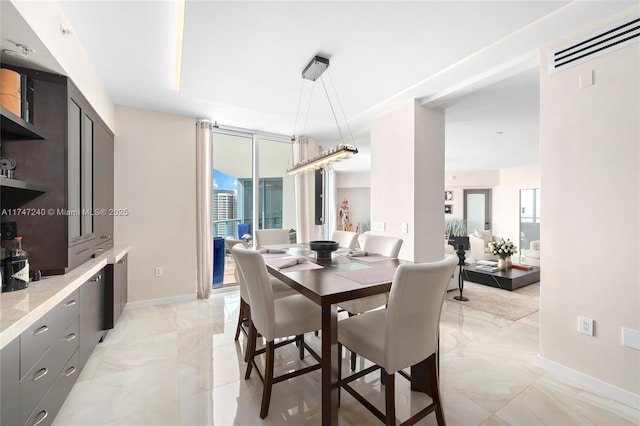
(328,286)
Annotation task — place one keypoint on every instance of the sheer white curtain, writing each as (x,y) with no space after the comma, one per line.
(331,202)
(304,148)
(204,237)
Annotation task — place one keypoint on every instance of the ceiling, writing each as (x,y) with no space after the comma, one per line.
(241,64)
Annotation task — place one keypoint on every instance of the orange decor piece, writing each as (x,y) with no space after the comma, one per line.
(10,91)
(9,82)
(10,103)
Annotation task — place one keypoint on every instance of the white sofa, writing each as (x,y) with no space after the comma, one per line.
(532,255)
(478,243)
(453,283)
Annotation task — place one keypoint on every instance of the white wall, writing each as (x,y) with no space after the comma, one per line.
(506,200)
(590,180)
(458,181)
(155,179)
(355,187)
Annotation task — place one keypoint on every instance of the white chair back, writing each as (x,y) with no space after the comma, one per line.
(256,279)
(346,239)
(229,243)
(265,237)
(380,244)
(413,313)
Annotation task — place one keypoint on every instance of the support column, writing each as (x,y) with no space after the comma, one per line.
(407,179)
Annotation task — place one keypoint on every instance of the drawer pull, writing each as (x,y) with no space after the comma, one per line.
(40,417)
(70,302)
(122,262)
(40,374)
(98,278)
(70,371)
(70,337)
(41,330)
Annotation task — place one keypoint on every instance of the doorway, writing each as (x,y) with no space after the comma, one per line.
(477,209)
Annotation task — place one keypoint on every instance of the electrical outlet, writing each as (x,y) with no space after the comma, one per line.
(405,228)
(585,326)
(378,226)
(159,271)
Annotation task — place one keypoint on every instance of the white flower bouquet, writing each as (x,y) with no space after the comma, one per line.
(502,249)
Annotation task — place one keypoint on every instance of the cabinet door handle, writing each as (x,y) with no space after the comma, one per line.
(98,278)
(100,249)
(122,262)
(41,330)
(40,374)
(70,302)
(69,371)
(70,337)
(105,237)
(82,251)
(40,417)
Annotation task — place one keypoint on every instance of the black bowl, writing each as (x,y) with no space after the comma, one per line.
(323,248)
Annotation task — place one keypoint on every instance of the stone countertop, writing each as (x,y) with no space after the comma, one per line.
(22,308)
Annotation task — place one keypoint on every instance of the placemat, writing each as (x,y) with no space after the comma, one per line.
(371,258)
(370,275)
(278,262)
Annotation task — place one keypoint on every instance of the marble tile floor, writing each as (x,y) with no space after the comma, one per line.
(179,365)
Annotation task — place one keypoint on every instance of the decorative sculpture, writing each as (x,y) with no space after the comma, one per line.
(461,258)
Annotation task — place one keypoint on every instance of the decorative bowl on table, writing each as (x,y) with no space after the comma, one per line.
(323,249)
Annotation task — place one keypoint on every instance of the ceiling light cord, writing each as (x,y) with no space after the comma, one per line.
(344,116)
(295,124)
(331,106)
(306,119)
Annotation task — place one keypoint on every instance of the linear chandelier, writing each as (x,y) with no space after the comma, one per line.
(319,161)
(313,71)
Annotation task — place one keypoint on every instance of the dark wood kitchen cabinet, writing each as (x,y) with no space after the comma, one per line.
(9,379)
(71,166)
(116,291)
(103,175)
(92,315)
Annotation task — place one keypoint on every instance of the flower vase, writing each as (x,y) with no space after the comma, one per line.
(502,264)
(509,263)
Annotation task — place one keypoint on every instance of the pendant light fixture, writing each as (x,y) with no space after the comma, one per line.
(313,71)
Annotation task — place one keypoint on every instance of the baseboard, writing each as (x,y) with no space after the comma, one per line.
(596,385)
(162,301)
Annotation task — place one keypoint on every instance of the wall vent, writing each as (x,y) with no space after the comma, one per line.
(596,44)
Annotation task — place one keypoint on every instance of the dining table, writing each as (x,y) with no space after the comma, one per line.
(327,282)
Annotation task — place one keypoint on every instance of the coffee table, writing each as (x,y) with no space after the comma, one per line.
(510,279)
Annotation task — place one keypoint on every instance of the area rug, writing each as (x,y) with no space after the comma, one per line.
(511,305)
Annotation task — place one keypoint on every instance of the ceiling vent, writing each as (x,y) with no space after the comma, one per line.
(595,44)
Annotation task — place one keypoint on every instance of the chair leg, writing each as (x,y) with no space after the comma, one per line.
(268,380)
(435,391)
(251,349)
(339,370)
(247,315)
(353,354)
(300,339)
(240,319)
(389,398)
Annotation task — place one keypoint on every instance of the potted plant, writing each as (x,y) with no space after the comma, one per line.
(456,232)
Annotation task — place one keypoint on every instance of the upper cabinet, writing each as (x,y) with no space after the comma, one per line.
(67,166)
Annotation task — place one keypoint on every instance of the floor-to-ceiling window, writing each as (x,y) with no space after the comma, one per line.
(249,171)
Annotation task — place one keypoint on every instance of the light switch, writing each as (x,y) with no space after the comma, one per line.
(405,228)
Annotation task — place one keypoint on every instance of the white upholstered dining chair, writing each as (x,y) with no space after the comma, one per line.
(402,335)
(279,288)
(274,318)
(382,245)
(265,237)
(346,239)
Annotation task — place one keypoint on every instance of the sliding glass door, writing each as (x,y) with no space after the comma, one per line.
(237,160)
